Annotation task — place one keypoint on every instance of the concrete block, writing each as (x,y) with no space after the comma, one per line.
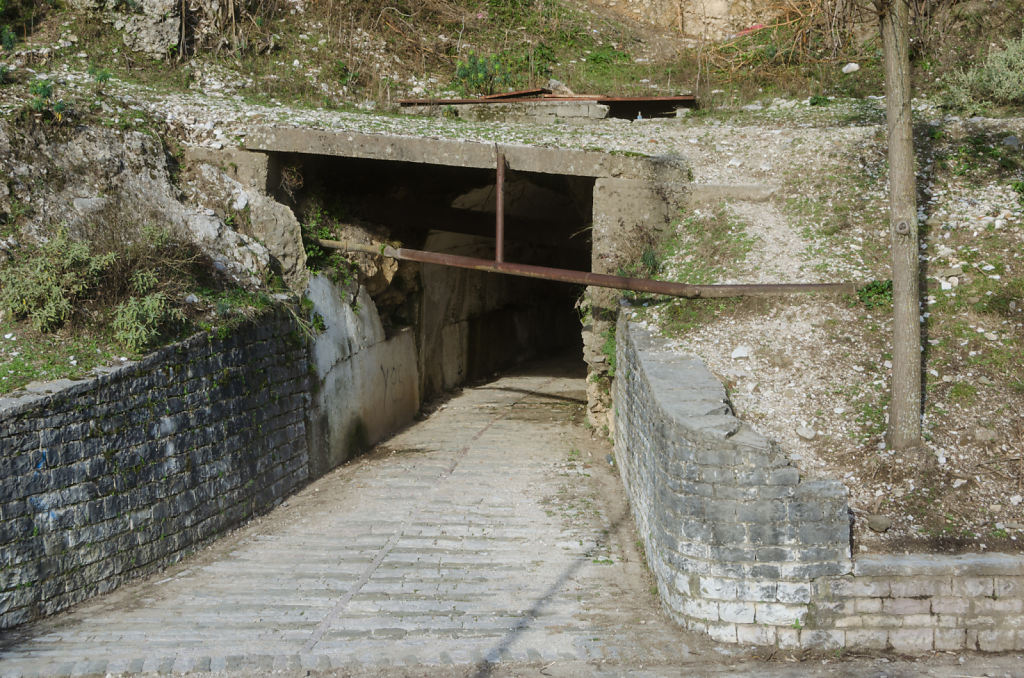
(779,614)
(750,634)
(1006,587)
(805,511)
(737,612)
(793,592)
(818,639)
(867,639)
(705,610)
(787,638)
(787,475)
(912,641)
(728,533)
(950,605)
(997,607)
(918,587)
(920,621)
(836,607)
(718,588)
(905,606)
(868,605)
(774,554)
(722,633)
(856,587)
(997,640)
(721,511)
(822,533)
(974,587)
(854,622)
(881,621)
(756,591)
(950,640)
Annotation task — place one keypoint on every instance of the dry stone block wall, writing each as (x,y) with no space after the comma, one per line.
(734,537)
(918,603)
(745,550)
(112,478)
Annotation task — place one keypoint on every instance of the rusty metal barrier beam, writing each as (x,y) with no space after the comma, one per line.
(596,279)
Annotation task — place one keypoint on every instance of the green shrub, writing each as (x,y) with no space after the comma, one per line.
(998,80)
(100,75)
(606,54)
(876,294)
(45,282)
(140,321)
(482,74)
(41,88)
(344,74)
(1018,187)
(7,37)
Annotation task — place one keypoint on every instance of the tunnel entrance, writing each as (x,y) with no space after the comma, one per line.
(467,324)
(412,331)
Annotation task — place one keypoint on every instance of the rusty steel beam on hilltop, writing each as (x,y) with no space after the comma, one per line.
(671,289)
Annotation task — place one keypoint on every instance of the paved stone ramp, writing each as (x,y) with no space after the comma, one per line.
(491,539)
(476,535)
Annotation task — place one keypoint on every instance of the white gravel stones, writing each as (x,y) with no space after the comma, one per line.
(741,352)
(806,433)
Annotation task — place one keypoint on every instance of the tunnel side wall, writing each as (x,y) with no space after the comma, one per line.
(112,478)
(472,324)
(745,550)
(367,384)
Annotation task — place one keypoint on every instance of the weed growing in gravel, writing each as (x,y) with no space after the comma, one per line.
(876,294)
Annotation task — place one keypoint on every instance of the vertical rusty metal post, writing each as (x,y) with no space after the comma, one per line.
(499,210)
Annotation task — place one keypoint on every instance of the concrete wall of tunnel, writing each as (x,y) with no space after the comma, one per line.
(367,385)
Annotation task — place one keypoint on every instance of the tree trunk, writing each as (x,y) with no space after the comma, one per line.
(905,405)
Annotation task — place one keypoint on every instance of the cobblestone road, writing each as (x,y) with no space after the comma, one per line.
(491,538)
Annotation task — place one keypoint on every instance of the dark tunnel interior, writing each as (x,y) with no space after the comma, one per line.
(469,324)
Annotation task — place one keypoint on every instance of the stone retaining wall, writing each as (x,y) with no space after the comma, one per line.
(918,603)
(733,535)
(112,478)
(745,550)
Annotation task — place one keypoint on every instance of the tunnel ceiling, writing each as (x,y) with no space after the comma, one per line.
(547,216)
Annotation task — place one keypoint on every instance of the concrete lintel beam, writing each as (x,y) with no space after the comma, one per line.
(245,167)
(461,153)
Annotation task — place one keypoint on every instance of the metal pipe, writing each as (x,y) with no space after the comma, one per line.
(499,209)
(596,279)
